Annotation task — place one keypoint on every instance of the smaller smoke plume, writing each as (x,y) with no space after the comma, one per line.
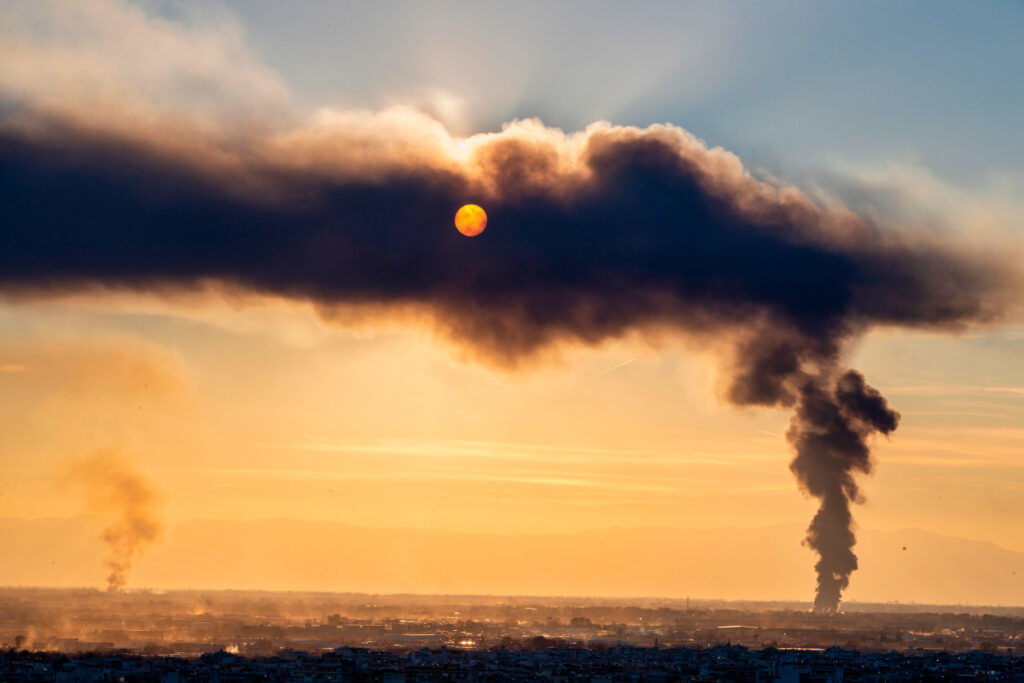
(114,489)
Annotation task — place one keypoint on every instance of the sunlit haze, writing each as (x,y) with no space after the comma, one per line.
(235,310)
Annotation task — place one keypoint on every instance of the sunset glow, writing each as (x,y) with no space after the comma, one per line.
(734,333)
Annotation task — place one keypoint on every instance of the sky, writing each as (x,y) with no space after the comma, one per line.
(240,391)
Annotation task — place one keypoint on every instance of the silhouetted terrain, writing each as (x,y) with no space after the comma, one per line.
(540,665)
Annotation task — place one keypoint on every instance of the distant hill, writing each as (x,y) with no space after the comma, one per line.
(282,554)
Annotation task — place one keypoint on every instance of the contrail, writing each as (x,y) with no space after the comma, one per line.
(606,371)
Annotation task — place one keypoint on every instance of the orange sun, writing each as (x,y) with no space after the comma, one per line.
(470,220)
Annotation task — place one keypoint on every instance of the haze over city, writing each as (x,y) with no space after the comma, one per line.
(613,305)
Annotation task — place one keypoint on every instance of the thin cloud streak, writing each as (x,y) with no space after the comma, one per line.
(536,452)
(457,476)
(606,371)
(13,369)
(954,390)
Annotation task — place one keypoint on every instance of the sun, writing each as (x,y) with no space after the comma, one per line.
(470,220)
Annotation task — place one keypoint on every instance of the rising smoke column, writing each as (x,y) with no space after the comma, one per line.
(829,431)
(114,489)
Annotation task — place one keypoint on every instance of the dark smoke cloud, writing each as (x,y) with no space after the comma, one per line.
(829,432)
(114,489)
(590,236)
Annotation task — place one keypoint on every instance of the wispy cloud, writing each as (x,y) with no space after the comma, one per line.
(499,450)
(954,390)
(540,479)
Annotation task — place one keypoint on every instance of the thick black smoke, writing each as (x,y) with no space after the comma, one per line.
(829,432)
(589,237)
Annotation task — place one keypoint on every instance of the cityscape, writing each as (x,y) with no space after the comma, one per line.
(72,634)
(722,663)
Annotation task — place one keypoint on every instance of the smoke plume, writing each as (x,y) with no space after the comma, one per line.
(829,432)
(114,489)
(117,180)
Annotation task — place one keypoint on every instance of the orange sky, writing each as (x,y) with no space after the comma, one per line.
(245,411)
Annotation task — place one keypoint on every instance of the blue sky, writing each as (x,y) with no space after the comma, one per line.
(785,85)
